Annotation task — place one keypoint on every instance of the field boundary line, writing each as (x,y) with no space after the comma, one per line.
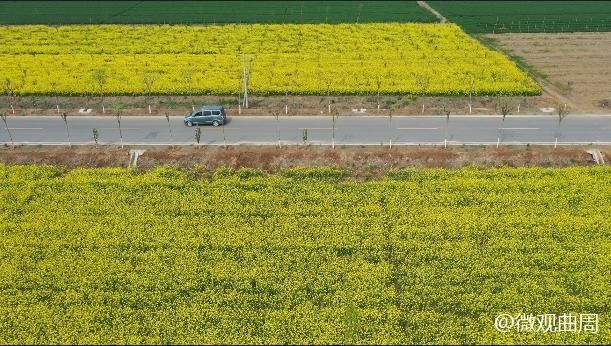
(427,7)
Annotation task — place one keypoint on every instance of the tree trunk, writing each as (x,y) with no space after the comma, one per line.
(68,133)
(224,139)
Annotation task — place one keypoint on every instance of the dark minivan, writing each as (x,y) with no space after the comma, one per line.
(208,115)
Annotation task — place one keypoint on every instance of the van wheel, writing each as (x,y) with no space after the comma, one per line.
(189,123)
(215,123)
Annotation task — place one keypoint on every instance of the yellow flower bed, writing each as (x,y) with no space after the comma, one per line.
(438,59)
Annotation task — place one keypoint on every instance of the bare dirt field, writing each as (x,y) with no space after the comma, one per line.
(361,162)
(576,65)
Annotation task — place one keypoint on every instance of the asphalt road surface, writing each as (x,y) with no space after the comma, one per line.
(349,130)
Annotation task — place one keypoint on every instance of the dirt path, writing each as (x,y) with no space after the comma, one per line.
(426,6)
(551,90)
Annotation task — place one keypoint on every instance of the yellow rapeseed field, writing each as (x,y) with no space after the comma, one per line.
(306,256)
(438,59)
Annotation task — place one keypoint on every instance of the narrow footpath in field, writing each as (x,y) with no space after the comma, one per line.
(554,92)
(426,6)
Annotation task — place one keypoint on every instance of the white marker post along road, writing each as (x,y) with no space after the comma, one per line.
(349,130)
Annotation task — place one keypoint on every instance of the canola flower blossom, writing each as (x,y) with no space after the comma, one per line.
(307,59)
(306,256)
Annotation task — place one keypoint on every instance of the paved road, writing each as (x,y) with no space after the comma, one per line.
(349,130)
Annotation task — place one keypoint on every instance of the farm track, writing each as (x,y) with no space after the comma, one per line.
(553,91)
(426,6)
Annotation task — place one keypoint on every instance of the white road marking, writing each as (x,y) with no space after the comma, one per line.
(26,128)
(214,128)
(519,128)
(417,128)
(122,129)
(316,128)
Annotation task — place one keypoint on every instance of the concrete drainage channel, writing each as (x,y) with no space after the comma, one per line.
(597,156)
(134,154)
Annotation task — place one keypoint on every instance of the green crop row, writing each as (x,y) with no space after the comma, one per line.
(210,12)
(305,256)
(527,16)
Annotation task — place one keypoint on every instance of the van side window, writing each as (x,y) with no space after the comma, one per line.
(207,113)
(198,114)
(216,112)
